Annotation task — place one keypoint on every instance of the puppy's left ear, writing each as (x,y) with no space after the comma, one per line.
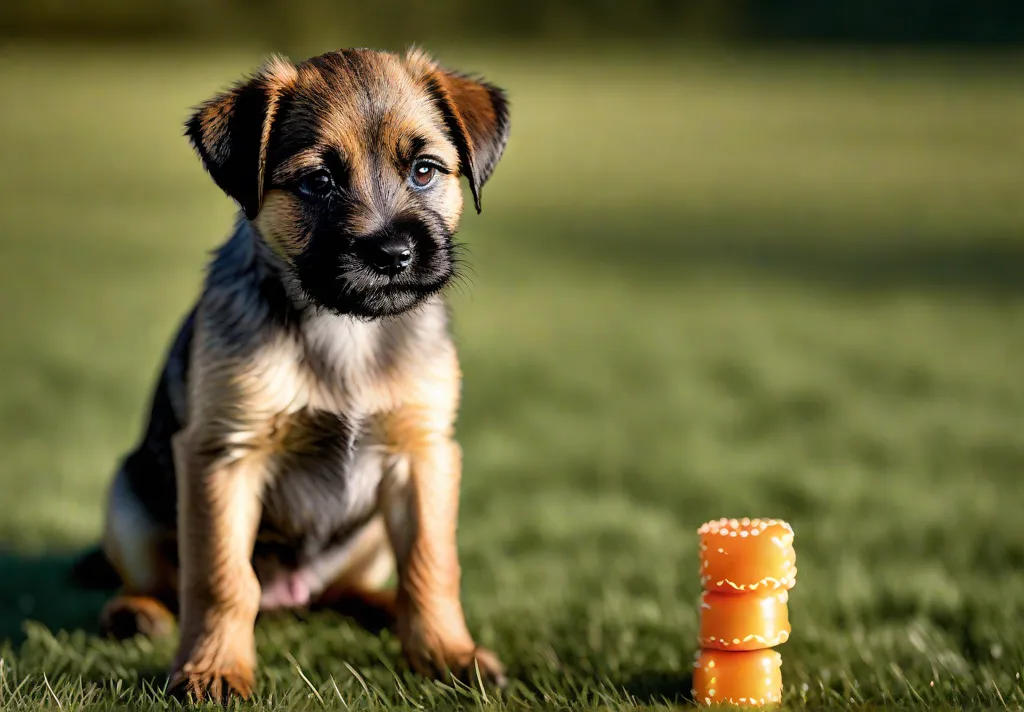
(476,116)
(230,132)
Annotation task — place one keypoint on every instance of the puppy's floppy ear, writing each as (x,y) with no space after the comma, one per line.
(230,132)
(476,116)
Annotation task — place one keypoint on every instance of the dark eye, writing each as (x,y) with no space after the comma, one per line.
(317,184)
(422,174)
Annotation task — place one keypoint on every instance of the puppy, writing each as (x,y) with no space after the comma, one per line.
(300,444)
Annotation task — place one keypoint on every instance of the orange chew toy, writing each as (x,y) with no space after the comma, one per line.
(751,679)
(745,622)
(747,555)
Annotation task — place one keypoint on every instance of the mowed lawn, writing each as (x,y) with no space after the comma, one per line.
(702,285)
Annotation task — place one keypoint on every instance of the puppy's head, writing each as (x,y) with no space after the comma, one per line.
(348,165)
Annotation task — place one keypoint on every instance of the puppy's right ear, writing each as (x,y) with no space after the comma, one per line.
(230,132)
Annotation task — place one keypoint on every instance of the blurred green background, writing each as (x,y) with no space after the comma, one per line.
(281,22)
(741,258)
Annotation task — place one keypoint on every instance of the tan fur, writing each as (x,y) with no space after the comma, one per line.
(277,224)
(280,74)
(220,595)
(127,616)
(219,500)
(250,410)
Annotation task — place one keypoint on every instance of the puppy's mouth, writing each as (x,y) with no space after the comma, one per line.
(379,275)
(356,289)
(390,299)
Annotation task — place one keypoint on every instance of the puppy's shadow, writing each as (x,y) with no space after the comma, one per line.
(40,588)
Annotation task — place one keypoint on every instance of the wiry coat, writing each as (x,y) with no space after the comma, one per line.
(300,441)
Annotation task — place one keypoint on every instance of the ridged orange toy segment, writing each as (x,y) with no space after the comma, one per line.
(749,679)
(747,555)
(749,622)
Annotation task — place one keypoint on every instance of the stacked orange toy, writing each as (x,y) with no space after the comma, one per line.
(747,567)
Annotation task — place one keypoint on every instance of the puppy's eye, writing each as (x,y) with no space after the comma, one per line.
(317,184)
(422,174)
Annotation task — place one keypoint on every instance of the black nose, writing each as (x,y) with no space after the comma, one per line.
(392,255)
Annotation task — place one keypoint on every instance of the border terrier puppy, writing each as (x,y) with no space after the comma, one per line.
(300,445)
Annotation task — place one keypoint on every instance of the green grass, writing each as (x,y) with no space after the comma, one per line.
(704,285)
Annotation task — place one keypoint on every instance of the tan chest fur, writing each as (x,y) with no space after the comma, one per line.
(321,412)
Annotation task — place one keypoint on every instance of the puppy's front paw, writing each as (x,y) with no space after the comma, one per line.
(471,666)
(215,684)
(481,666)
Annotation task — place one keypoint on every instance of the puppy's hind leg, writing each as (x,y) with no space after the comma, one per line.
(141,551)
(127,616)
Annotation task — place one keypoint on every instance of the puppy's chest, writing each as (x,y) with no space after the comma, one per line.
(326,462)
(324,476)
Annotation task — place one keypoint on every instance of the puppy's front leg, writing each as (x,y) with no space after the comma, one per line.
(422,506)
(219,511)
